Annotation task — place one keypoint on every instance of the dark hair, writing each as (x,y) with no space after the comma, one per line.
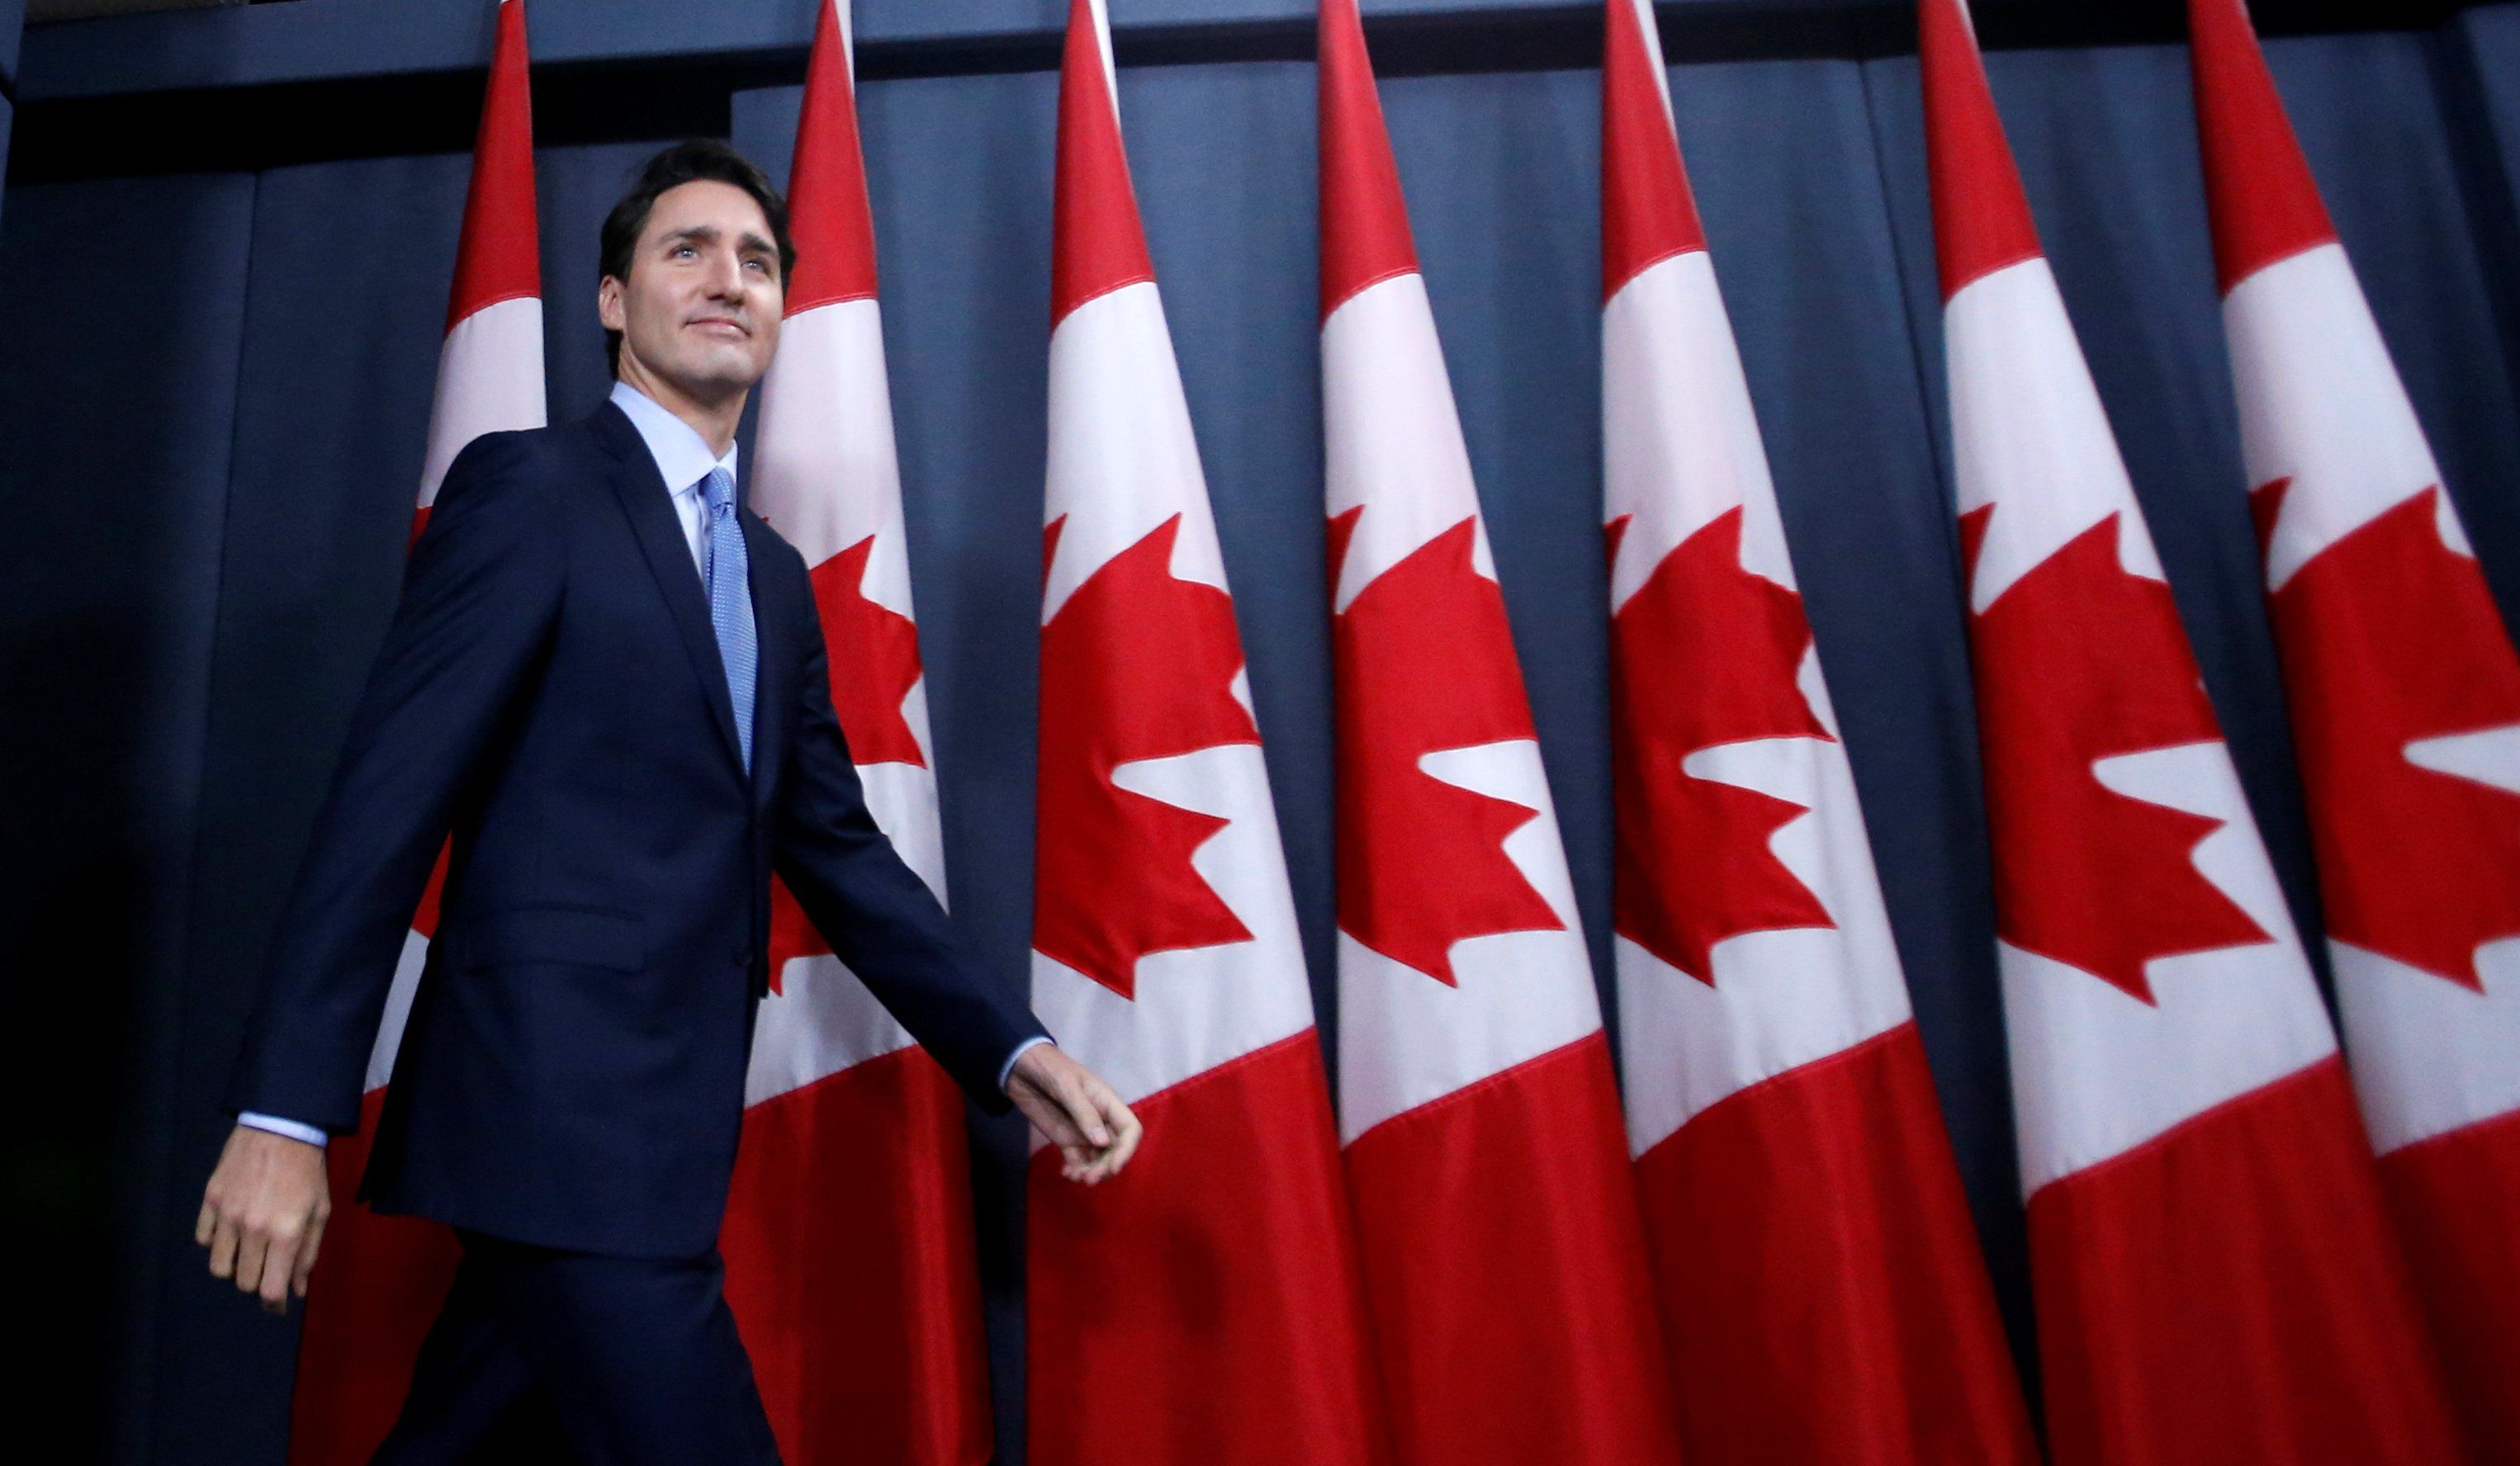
(689,161)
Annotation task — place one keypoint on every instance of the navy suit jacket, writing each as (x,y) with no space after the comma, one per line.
(551,693)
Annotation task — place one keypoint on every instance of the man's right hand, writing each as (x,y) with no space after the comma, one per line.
(263,1214)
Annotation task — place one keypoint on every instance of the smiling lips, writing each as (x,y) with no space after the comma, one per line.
(736,326)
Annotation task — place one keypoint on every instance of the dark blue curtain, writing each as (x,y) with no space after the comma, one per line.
(113,443)
(241,445)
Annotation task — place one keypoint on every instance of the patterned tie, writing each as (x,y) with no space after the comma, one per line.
(729,595)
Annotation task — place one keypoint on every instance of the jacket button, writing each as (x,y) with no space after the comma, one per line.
(742,954)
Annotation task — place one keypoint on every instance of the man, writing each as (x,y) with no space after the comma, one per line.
(607,678)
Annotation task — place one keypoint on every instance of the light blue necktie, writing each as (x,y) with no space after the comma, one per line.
(730,596)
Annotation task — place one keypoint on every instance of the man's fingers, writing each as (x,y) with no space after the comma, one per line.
(1122,1133)
(1130,1133)
(1051,1118)
(306,1255)
(262,1215)
(1057,1123)
(1085,1105)
(1107,1165)
(1099,1163)
(223,1247)
(251,1245)
(279,1265)
(1079,1101)
(1076,1111)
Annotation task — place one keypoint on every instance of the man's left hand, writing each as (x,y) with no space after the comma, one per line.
(1095,1132)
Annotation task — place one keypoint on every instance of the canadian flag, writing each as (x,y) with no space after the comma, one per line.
(850,1262)
(1216,1277)
(2215,1273)
(1496,1206)
(2406,707)
(1822,1285)
(380,1280)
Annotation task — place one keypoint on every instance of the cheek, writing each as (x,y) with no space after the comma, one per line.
(648,309)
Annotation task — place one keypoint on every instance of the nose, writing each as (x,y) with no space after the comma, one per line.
(725,276)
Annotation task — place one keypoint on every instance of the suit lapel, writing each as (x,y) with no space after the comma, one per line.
(646,500)
(775,663)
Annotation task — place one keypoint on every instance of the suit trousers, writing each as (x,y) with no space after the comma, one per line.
(630,1361)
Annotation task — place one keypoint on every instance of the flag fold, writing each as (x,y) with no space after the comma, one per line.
(2214,1271)
(2405,696)
(1214,1281)
(1819,1277)
(1495,1202)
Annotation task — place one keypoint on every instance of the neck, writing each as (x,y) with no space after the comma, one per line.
(714,418)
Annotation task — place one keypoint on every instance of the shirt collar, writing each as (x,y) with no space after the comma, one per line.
(682,455)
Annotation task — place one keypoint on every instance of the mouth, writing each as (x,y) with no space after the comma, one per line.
(722,326)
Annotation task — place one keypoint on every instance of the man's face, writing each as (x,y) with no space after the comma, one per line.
(700,309)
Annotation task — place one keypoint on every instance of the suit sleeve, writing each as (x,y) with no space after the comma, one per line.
(879,916)
(480,595)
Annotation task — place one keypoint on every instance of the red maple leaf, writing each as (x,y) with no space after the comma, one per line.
(1137,664)
(874,660)
(1422,661)
(2079,661)
(2389,636)
(1704,653)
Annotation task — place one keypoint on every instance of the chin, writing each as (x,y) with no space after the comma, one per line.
(715,375)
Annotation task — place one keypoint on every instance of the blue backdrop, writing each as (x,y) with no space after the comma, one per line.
(214,471)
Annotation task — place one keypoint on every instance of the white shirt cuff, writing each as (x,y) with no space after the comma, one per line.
(1008,1071)
(311,1135)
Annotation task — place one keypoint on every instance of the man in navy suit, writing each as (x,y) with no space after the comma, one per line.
(607,678)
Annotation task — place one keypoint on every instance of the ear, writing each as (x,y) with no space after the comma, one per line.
(608,305)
